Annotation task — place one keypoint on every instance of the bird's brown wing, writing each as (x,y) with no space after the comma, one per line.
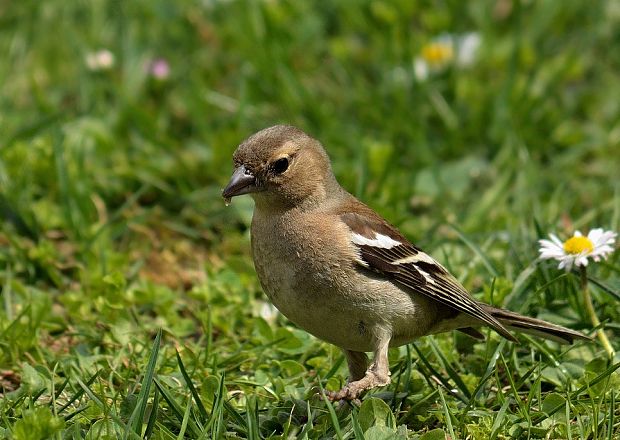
(384,250)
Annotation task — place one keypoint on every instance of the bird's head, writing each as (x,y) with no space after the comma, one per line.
(281,167)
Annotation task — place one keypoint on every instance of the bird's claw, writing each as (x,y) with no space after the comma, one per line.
(346,394)
(352,391)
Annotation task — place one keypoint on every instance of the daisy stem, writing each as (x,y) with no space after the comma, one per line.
(587,298)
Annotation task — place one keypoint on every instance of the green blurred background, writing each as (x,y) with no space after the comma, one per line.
(542,90)
(475,126)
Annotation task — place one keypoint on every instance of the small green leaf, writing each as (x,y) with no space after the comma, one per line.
(37,424)
(32,380)
(115,280)
(383,433)
(375,412)
(550,405)
(103,429)
(291,367)
(435,434)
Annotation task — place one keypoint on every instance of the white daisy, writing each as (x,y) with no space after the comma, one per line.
(446,50)
(100,60)
(577,249)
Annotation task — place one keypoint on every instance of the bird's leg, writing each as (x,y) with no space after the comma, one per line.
(358,363)
(377,375)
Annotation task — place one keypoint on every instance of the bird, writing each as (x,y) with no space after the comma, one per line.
(337,269)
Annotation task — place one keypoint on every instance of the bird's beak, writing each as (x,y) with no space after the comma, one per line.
(241,182)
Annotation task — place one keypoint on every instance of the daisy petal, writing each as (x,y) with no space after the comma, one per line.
(556,240)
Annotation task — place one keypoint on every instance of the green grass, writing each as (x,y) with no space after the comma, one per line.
(129,303)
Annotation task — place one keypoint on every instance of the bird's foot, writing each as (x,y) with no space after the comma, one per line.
(353,390)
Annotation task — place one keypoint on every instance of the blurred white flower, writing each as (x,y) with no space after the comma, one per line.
(577,249)
(446,50)
(420,69)
(467,48)
(268,312)
(100,60)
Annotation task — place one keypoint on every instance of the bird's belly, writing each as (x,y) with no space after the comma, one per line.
(339,312)
(349,330)
(314,306)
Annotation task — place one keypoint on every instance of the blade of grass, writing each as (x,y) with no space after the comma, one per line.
(131,201)
(334,368)
(526,376)
(437,375)
(543,349)
(357,429)
(235,414)
(575,394)
(14,324)
(75,413)
(218,404)
(65,189)
(308,426)
(201,409)
(420,402)
(451,371)
(30,130)
(176,408)
(567,405)
(447,413)
(60,389)
(209,334)
(605,288)
(487,374)
(485,261)
(612,416)
(332,414)
(79,393)
(534,394)
(251,416)
(13,216)
(515,300)
(137,417)
(499,418)
(255,384)
(7,294)
(398,404)
(513,388)
(107,410)
(153,416)
(184,423)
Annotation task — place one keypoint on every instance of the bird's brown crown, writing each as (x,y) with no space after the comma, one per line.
(290,167)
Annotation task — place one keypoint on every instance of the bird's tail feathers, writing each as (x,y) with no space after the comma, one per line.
(535,327)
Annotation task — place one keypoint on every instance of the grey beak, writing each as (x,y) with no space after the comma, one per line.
(241,182)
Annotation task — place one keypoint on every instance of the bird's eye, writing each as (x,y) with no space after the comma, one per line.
(280,165)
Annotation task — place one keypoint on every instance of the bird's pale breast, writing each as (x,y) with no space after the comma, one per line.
(326,293)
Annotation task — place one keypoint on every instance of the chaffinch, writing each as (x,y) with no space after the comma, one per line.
(338,270)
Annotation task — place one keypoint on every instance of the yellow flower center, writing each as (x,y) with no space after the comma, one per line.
(436,54)
(576,245)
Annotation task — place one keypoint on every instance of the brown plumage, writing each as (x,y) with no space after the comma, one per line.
(337,269)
